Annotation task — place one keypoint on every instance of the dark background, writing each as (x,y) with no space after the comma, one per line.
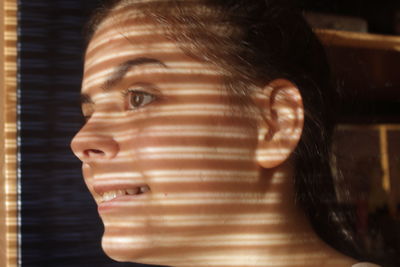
(60,224)
(380,15)
(59,221)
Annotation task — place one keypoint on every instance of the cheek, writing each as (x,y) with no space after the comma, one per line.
(191,153)
(197,168)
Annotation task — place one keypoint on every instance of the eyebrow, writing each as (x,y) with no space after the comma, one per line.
(119,73)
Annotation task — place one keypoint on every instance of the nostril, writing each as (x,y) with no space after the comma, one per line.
(93,152)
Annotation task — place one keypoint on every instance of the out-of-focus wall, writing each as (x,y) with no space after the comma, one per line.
(2,198)
(8,163)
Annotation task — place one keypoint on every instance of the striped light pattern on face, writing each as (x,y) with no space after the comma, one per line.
(172,162)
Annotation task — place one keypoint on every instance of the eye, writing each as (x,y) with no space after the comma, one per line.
(137,99)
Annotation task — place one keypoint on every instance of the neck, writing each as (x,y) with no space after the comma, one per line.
(279,234)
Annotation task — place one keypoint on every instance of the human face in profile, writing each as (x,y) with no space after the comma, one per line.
(166,155)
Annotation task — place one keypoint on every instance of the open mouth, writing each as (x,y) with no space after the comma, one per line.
(110,195)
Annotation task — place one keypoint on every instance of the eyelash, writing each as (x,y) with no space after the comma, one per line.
(127,98)
(144,96)
(86,116)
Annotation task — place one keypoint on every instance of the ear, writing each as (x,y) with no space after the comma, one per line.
(281,126)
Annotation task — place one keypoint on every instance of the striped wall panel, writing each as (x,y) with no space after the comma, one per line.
(9,183)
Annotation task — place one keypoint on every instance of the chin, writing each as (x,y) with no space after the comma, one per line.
(123,252)
(133,254)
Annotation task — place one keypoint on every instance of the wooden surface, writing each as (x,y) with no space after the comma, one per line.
(363,61)
(8,192)
(2,181)
(359,40)
(365,69)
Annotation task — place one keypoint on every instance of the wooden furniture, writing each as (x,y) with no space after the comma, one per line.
(366,69)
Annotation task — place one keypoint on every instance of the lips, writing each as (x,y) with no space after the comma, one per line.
(109,192)
(110,195)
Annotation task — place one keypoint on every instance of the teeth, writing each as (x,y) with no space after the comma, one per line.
(144,189)
(132,191)
(107,196)
(113,194)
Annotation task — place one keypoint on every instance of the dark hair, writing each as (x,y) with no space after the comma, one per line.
(257,41)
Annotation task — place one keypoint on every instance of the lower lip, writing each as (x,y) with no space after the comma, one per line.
(120,202)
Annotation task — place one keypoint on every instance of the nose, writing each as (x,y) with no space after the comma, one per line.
(91,144)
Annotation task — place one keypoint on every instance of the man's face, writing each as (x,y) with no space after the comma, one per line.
(169,164)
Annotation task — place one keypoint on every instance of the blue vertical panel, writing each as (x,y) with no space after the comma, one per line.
(59,220)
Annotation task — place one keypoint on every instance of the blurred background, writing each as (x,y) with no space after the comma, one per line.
(59,221)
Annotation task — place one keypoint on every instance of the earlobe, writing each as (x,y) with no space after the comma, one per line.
(281,127)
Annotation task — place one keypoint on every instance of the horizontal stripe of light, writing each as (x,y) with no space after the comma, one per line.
(182,177)
(139,31)
(272,199)
(96,80)
(217,195)
(139,51)
(166,174)
(206,217)
(194,149)
(156,114)
(259,239)
(245,157)
(221,134)
(206,220)
(131,159)
(10,127)
(243,258)
(128,135)
(173,129)
(203,156)
(163,47)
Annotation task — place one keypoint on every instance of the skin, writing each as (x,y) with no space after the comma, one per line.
(220,188)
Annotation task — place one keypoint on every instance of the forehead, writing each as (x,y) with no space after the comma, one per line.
(123,29)
(125,36)
(139,19)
